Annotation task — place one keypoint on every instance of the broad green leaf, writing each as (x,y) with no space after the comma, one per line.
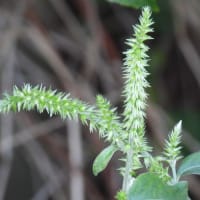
(138,3)
(149,186)
(190,165)
(103,159)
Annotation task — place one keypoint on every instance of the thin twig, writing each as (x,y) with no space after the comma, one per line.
(76,160)
(30,133)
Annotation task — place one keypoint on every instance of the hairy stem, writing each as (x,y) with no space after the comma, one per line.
(127,175)
(174,175)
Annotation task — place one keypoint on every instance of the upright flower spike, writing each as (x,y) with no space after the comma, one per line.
(172,145)
(172,149)
(135,74)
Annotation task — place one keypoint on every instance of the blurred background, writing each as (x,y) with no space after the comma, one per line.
(76,46)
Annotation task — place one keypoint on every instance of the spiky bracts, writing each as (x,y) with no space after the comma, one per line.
(172,150)
(165,165)
(110,120)
(172,145)
(135,75)
(99,117)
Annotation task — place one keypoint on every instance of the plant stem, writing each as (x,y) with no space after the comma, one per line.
(128,166)
(127,175)
(173,167)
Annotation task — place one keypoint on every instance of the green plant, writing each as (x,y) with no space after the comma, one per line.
(126,133)
(138,3)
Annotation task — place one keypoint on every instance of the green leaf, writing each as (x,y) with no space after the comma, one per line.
(138,3)
(149,186)
(190,165)
(103,159)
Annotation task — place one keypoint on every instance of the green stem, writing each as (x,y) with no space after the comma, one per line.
(174,175)
(127,175)
(128,167)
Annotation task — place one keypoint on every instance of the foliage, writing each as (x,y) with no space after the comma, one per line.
(144,188)
(190,165)
(103,159)
(125,133)
(138,3)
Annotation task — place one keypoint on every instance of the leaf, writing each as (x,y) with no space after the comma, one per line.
(149,186)
(102,160)
(190,165)
(138,3)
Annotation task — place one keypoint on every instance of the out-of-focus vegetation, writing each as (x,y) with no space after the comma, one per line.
(138,3)
(75,46)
